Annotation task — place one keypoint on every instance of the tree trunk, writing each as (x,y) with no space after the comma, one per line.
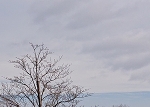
(39,94)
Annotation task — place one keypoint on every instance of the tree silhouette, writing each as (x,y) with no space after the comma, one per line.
(43,83)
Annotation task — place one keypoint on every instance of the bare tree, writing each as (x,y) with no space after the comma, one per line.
(41,84)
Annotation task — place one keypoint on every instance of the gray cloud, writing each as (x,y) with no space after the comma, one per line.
(97,36)
(49,10)
(142,75)
(115,33)
(121,51)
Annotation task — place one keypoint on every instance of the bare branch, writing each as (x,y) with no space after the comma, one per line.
(42,82)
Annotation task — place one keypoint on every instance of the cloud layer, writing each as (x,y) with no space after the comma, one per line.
(106,40)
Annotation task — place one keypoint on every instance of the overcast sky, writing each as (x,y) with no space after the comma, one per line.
(107,42)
